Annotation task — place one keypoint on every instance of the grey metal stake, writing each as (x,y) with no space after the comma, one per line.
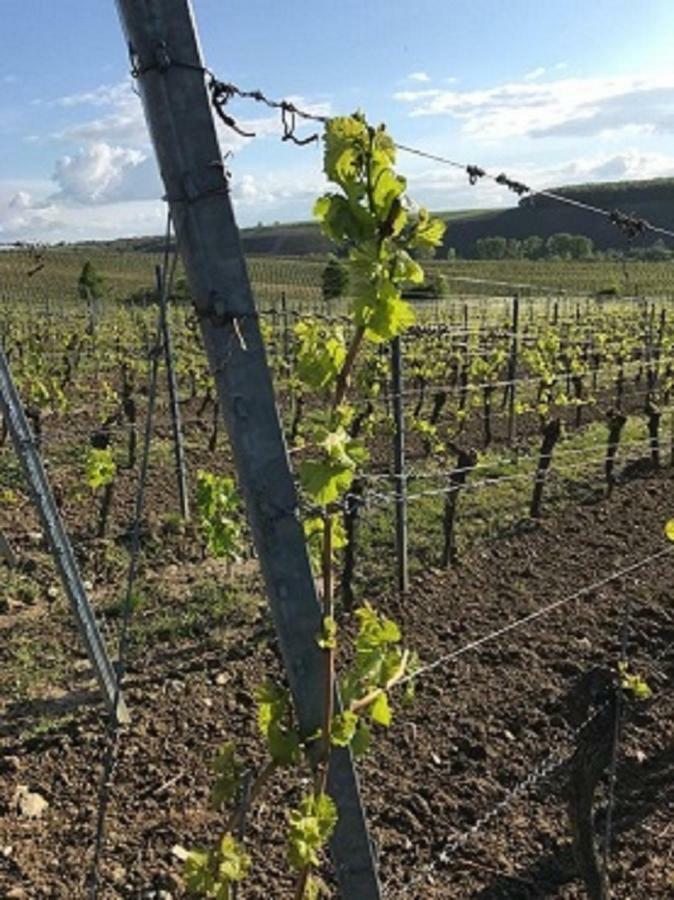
(164,48)
(176,423)
(6,551)
(399,465)
(286,331)
(512,370)
(31,462)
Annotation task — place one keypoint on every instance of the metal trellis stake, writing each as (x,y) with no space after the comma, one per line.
(399,465)
(6,551)
(512,370)
(31,462)
(166,58)
(176,424)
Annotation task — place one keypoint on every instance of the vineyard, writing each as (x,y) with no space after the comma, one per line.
(331,577)
(474,417)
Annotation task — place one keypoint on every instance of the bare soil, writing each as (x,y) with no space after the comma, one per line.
(479,725)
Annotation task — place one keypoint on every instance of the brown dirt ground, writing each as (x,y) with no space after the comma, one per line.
(476,729)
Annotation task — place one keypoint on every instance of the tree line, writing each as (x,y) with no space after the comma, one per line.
(562,246)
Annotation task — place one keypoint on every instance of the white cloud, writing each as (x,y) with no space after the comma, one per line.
(562,107)
(48,222)
(535,74)
(418,76)
(441,187)
(123,122)
(101,173)
(21,200)
(103,95)
(415,96)
(630,164)
(273,189)
(107,183)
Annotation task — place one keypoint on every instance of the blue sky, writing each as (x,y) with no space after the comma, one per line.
(551,92)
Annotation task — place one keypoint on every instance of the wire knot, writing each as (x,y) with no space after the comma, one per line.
(516,186)
(475,173)
(221,94)
(630,225)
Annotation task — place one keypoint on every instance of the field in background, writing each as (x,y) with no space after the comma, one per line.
(201,637)
(51,275)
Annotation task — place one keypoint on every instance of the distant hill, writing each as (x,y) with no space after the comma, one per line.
(652,200)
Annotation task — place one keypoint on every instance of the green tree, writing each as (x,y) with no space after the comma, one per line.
(657,252)
(559,245)
(581,246)
(532,247)
(335,279)
(433,287)
(90,283)
(513,249)
(491,247)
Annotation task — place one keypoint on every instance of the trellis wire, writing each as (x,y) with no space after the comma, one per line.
(554,760)
(113,736)
(379,497)
(531,617)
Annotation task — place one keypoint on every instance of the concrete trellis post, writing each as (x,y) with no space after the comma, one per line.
(166,58)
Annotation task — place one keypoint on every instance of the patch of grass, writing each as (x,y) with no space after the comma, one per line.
(496,499)
(46,725)
(210,607)
(32,662)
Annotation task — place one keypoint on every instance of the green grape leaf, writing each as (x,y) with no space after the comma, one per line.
(101,468)
(342,221)
(361,741)
(380,711)
(321,354)
(228,770)
(429,231)
(198,875)
(219,516)
(635,684)
(233,863)
(346,138)
(343,730)
(387,187)
(315,888)
(328,639)
(407,270)
(325,482)
(314,527)
(310,828)
(273,719)
(385,314)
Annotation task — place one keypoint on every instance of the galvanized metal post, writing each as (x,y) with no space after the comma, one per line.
(286,327)
(512,369)
(399,465)
(6,551)
(31,462)
(176,424)
(166,57)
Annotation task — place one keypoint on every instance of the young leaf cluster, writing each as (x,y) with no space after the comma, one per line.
(217,503)
(370,217)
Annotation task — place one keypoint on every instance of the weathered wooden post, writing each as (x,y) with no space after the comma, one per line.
(167,61)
